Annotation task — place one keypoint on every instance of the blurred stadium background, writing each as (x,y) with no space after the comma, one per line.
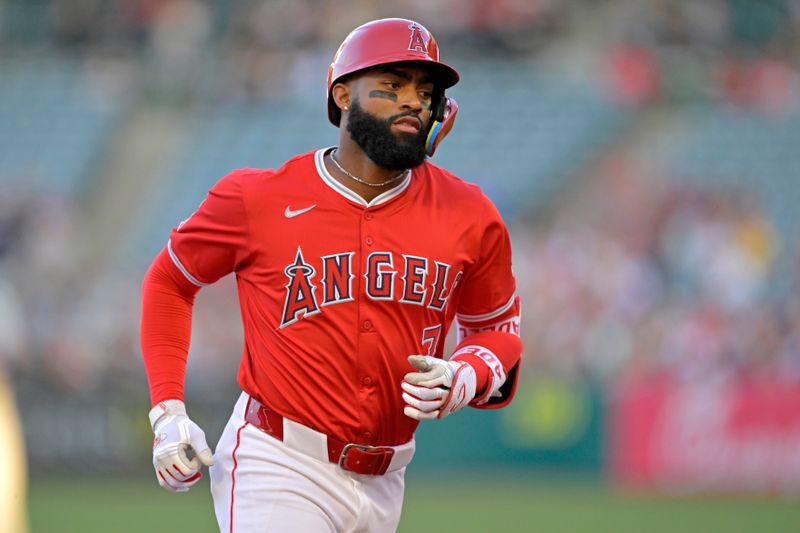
(646,156)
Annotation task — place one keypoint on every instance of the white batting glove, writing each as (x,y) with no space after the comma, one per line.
(175,437)
(439,389)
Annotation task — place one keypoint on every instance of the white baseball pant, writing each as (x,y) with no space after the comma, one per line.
(261,484)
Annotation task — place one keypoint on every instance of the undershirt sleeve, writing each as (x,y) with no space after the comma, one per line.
(166,327)
(209,244)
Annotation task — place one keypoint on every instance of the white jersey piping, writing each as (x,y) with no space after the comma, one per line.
(352,195)
(486,316)
(180,266)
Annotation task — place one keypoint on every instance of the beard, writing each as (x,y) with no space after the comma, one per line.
(385,148)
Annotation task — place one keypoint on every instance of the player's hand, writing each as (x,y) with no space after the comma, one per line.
(440,388)
(176,438)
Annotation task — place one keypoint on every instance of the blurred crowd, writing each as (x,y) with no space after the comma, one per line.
(52,325)
(254,49)
(638,275)
(289,25)
(744,53)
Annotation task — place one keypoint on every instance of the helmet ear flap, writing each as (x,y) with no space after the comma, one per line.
(438,104)
(443,116)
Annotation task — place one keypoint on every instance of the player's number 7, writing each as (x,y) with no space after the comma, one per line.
(430,337)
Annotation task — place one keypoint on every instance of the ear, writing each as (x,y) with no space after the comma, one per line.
(341,94)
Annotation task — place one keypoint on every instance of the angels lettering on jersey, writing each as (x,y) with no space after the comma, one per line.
(423,282)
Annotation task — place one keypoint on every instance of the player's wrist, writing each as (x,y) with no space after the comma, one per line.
(165,408)
(489,371)
(482,372)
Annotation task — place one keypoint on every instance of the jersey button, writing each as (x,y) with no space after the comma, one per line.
(367,435)
(368,216)
(367,381)
(369,241)
(367,325)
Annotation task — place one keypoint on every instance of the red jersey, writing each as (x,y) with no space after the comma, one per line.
(336,292)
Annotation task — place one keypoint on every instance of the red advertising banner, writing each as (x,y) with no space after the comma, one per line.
(742,435)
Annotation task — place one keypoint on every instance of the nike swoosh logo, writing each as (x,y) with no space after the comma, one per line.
(291,214)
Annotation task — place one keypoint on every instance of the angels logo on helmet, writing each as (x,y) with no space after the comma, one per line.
(417,42)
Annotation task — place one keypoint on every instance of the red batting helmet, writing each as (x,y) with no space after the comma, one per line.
(392,41)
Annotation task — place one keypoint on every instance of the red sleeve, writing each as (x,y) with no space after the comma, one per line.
(167,299)
(488,286)
(488,317)
(213,241)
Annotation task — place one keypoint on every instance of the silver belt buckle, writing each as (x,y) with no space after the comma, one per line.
(363,447)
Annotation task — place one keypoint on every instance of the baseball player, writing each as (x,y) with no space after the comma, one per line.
(351,263)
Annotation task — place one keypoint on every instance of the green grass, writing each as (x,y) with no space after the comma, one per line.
(460,503)
(117,506)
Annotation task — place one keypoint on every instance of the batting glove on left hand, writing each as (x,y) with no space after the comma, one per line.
(439,389)
(175,435)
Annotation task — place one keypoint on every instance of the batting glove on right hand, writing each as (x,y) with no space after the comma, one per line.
(440,388)
(175,435)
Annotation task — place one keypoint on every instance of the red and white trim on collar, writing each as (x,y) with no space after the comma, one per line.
(351,195)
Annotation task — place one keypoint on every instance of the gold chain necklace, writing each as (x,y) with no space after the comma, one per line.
(365,182)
